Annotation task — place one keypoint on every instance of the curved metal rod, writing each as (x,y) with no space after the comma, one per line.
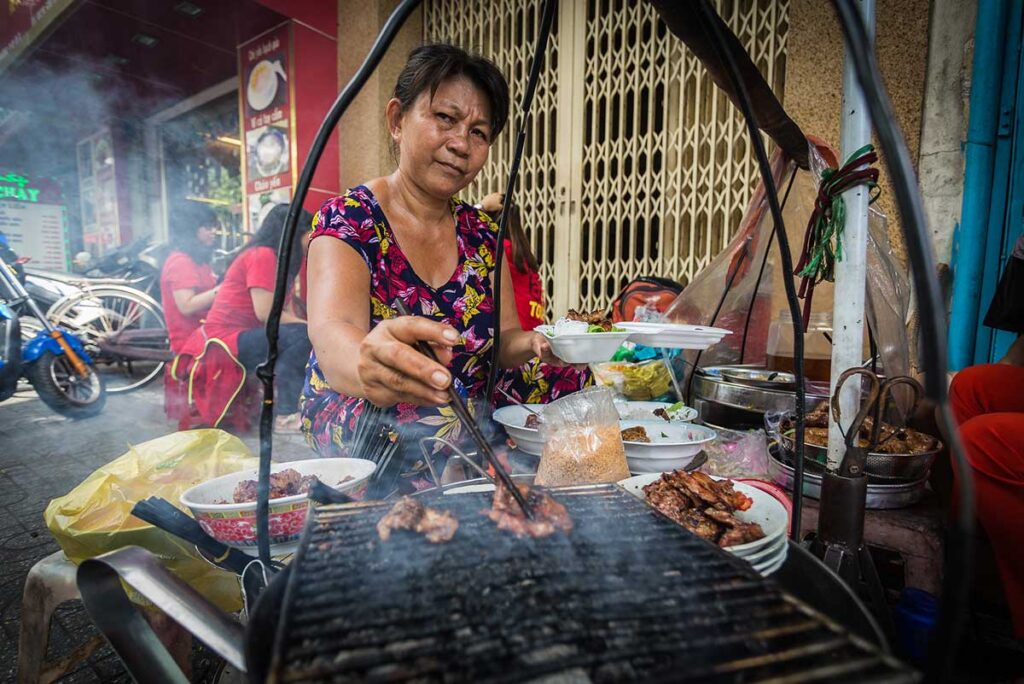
(547,19)
(136,644)
(265,371)
(957,582)
(458,452)
(713,25)
(850,437)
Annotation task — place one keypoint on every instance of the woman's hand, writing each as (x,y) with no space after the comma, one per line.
(542,350)
(492,203)
(391,370)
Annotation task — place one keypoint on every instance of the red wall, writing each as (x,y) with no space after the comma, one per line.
(316,86)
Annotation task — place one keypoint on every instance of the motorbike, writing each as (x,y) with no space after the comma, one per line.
(112,305)
(53,360)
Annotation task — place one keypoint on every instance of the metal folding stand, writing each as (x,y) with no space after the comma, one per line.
(840,539)
(839,542)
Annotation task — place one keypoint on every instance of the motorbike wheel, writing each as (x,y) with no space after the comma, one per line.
(60,388)
(101,313)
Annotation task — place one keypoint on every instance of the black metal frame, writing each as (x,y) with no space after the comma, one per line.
(682,18)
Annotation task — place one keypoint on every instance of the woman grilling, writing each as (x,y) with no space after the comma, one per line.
(407,237)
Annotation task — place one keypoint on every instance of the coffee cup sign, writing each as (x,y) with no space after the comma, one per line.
(263,84)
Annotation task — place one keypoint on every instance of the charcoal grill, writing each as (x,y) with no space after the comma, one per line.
(628,595)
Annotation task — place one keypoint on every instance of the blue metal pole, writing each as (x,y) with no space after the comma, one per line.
(968,261)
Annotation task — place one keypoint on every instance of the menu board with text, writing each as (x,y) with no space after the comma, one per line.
(266,121)
(37,231)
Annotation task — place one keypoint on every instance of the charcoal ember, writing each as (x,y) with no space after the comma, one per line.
(549,516)
(409,514)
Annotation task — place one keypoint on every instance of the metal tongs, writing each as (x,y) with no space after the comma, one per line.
(855,459)
(462,413)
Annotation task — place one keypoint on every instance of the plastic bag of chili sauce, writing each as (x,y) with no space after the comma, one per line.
(582,442)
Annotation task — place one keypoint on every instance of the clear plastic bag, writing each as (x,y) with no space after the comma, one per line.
(95,517)
(738,454)
(749,273)
(582,442)
(635,381)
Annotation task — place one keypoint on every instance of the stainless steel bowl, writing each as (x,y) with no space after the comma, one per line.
(760,377)
(880,496)
(896,467)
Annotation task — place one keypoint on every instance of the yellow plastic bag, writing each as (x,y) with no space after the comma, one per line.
(95,517)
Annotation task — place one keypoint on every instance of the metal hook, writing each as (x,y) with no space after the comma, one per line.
(458,454)
(850,436)
(886,391)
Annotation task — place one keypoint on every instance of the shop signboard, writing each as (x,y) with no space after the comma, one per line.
(266,94)
(22,22)
(97,189)
(33,218)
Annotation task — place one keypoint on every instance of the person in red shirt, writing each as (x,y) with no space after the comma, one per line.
(534,382)
(236,322)
(521,262)
(187,283)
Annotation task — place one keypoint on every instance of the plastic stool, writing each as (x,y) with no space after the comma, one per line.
(50,583)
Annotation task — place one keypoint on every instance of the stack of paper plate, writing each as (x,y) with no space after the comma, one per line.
(767,554)
(673,335)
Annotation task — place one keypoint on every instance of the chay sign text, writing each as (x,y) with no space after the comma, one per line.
(14,186)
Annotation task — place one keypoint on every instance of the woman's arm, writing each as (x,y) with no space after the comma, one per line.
(262,300)
(517,345)
(380,364)
(189,302)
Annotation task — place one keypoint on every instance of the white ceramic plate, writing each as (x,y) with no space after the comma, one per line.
(673,335)
(513,419)
(644,410)
(672,445)
(765,511)
(767,553)
(595,347)
(771,568)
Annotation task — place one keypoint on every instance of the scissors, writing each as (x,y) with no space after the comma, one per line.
(878,396)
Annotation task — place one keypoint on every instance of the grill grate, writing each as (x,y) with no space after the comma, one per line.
(628,595)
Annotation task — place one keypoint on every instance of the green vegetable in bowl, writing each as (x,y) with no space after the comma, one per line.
(599,329)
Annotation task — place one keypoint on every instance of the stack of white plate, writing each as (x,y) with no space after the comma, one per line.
(673,335)
(767,554)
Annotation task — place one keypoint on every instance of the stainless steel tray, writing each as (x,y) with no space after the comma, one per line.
(880,496)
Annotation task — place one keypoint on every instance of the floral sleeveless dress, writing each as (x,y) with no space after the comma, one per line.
(465,302)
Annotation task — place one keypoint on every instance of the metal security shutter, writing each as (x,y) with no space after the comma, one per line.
(636,164)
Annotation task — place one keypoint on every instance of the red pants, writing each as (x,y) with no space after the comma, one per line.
(988,402)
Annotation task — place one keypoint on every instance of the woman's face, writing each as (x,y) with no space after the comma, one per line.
(207,235)
(443,142)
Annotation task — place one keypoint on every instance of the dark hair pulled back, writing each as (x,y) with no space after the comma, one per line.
(430,65)
(269,235)
(186,220)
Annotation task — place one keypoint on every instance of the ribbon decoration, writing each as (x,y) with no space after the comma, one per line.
(823,245)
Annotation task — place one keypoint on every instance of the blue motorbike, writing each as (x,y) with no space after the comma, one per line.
(54,361)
